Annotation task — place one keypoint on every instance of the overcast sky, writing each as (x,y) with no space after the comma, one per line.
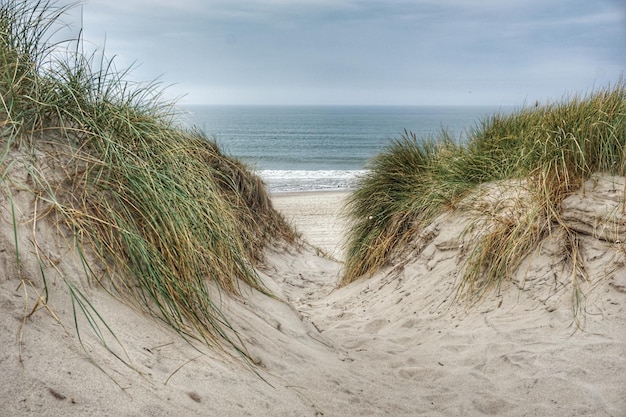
(364,51)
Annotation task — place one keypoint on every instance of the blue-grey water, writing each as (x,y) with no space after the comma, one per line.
(308,148)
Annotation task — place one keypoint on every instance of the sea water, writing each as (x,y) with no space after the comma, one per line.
(313,148)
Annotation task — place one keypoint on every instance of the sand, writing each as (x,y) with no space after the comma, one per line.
(317,216)
(392,345)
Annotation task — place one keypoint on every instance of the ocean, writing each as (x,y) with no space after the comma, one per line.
(315,148)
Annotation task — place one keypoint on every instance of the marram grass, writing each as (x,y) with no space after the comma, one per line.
(169,219)
(553,148)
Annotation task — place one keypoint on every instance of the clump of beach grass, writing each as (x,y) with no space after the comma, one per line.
(161,216)
(553,148)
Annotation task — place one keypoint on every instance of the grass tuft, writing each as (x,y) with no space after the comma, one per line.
(158,214)
(551,148)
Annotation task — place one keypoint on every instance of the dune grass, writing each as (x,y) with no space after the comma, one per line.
(553,148)
(160,215)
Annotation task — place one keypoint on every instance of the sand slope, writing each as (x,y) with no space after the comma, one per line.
(393,345)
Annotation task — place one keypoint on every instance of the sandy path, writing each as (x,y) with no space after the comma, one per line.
(518,354)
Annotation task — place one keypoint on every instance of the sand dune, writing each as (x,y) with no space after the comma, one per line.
(393,345)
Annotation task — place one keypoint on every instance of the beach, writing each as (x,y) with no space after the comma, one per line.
(317,216)
(391,345)
(168,261)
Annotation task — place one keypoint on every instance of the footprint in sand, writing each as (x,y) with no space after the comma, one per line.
(375,326)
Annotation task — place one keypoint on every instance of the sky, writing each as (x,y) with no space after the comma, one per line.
(369,52)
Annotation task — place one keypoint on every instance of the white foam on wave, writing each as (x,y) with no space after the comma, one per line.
(305,180)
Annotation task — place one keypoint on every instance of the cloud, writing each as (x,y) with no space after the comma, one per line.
(359,48)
